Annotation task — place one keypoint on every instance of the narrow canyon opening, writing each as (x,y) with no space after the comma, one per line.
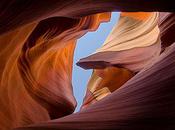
(87,45)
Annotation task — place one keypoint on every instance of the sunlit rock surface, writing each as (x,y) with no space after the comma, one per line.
(128,44)
(132,85)
(127,47)
(105,81)
(36,69)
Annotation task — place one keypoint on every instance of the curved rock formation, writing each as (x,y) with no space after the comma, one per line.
(126,47)
(36,69)
(15,13)
(36,55)
(167,28)
(103,82)
(144,102)
(128,44)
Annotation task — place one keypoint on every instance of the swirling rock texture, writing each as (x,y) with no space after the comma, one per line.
(127,47)
(132,85)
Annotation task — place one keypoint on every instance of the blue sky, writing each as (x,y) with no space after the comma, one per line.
(86,45)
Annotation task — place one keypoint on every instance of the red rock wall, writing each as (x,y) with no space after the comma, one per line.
(36,54)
